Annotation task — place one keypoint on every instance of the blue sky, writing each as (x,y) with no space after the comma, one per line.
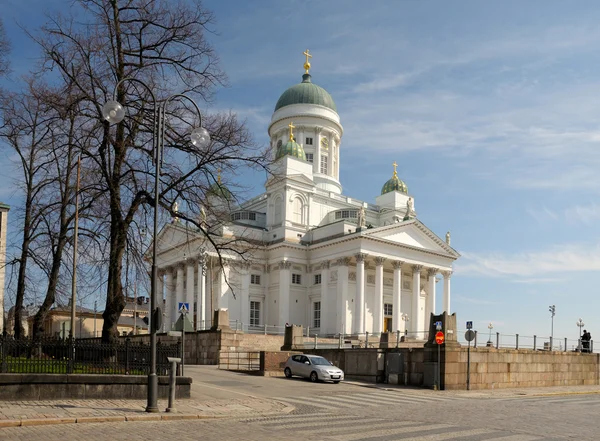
(491,110)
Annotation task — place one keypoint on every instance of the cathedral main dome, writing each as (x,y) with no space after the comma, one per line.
(306,93)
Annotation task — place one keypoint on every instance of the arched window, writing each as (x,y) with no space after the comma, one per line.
(297,209)
(277,215)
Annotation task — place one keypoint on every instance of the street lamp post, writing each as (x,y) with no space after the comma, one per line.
(490,327)
(113,112)
(581,325)
(552,309)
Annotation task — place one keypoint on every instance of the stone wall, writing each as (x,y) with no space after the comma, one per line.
(86,386)
(273,363)
(508,368)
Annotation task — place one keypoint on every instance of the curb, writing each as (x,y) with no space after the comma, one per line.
(24,422)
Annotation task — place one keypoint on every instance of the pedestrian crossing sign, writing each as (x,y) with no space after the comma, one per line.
(184,308)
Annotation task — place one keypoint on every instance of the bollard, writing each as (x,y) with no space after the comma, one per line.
(534,341)
(565,344)
(172,383)
(316,341)
(497,340)
(367,341)
(517,341)
(397,337)
(340,341)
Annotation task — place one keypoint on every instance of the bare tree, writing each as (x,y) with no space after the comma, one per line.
(26,128)
(4,50)
(161,43)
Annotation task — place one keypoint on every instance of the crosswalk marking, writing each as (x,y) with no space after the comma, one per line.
(363,399)
(460,434)
(349,428)
(390,432)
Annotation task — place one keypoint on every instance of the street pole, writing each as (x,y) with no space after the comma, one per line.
(95,310)
(113,112)
(75,234)
(469,366)
(552,309)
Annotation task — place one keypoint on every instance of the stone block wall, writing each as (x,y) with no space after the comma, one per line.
(509,368)
(273,363)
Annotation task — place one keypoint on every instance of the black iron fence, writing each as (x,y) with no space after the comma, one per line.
(63,356)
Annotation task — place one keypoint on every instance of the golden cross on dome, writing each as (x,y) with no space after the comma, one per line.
(395,165)
(291,126)
(306,63)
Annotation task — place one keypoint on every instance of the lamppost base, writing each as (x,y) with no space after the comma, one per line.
(152,406)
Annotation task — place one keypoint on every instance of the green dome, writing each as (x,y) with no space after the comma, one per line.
(221,191)
(394,184)
(306,93)
(291,148)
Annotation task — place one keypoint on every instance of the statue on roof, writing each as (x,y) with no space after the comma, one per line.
(361,220)
(410,210)
(175,211)
(448,237)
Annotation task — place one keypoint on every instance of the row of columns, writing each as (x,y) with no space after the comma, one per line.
(417,320)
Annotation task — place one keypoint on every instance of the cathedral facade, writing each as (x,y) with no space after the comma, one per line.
(325,260)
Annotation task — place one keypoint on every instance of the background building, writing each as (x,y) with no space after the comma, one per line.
(326,261)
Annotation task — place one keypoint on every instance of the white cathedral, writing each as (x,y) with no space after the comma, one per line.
(327,261)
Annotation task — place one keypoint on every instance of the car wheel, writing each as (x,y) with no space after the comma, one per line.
(314,377)
(336,382)
(288,372)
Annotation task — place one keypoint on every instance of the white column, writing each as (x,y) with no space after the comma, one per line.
(431,272)
(245,307)
(201,293)
(326,325)
(224,280)
(378,307)
(189,287)
(447,275)
(342,324)
(169,299)
(265,306)
(160,298)
(397,295)
(284,293)
(359,303)
(417,317)
(179,294)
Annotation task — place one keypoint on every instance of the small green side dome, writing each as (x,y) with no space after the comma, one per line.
(291,148)
(221,191)
(394,184)
(306,93)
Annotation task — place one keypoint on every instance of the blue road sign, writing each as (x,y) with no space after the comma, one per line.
(438,325)
(469,325)
(184,308)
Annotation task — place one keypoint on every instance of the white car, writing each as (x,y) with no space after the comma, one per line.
(314,367)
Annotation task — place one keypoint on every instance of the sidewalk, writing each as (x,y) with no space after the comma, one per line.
(28,413)
(488,393)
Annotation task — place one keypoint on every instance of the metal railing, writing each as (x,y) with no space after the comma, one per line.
(534,342)
(240,361)
(63,356)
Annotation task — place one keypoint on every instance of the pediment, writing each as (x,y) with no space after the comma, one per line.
(173,235)
(414,234)
(299,178)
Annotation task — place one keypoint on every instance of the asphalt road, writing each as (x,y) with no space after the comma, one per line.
(346,412)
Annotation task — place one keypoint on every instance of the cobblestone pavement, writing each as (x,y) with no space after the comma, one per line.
(367,415)
(76,411)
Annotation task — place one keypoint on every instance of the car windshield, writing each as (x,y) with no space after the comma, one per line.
(319,361)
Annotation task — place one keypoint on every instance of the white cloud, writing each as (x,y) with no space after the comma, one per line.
(557,260)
